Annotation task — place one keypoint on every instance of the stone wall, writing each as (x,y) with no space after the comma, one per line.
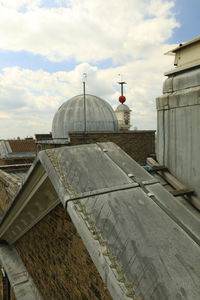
(58,261)
(138,144)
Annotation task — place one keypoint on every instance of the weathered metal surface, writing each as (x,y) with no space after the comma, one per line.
(20,280)
(10,182)
(178,131)
(143,246)
(179,99)
(192,202)
(35,198)
(182,81)
(4,149)
(142,240)
(70,116)
(122,107)
(144,243)
(74,171)
(125,163)
(177,211)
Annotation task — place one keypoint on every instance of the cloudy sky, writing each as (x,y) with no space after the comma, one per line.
(46,46)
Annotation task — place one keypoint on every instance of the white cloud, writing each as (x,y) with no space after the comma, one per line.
(30,98)
(131,32)
(88,30)
(17,4)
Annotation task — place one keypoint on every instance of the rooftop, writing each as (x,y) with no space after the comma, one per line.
(184,45)
(117,208)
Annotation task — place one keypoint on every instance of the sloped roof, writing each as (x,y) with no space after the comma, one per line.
(9,185)
(143,242)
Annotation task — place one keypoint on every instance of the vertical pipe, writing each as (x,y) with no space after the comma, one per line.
(84,106)
(122,88)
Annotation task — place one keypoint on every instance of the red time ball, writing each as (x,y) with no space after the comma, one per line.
(122,99)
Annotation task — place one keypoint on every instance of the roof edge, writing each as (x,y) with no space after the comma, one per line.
(23,285)
(184,45)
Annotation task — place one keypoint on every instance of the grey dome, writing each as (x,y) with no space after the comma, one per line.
(122,107)
(70,116)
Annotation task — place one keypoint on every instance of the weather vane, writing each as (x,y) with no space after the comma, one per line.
(84,77)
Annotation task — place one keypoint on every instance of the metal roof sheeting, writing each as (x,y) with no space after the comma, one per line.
(70,116)
(142,241)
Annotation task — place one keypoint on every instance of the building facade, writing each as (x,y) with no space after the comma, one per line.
(179,116)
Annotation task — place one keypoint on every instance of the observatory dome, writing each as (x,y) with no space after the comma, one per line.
(122,107)
(70,117)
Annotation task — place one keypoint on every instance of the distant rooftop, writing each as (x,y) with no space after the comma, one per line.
(17,148)
(187,56)
(26,145)
(184,45)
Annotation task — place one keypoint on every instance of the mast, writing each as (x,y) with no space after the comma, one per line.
(122,98)
(84,101)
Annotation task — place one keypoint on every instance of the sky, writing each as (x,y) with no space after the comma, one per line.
(47,45)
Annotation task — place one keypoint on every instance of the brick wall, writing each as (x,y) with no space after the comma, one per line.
(58,261)
(138,144)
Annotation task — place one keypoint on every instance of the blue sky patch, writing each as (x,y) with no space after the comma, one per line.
(53,3)
(187,14)
(104,64)
(27,60)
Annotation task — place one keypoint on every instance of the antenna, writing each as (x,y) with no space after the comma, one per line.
(84,102)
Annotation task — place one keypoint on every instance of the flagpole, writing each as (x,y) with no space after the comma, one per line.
(84,101)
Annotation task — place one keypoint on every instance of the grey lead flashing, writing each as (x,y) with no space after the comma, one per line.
(20,280)
(97,252)
(100,192)
(137,248)
(140,250)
